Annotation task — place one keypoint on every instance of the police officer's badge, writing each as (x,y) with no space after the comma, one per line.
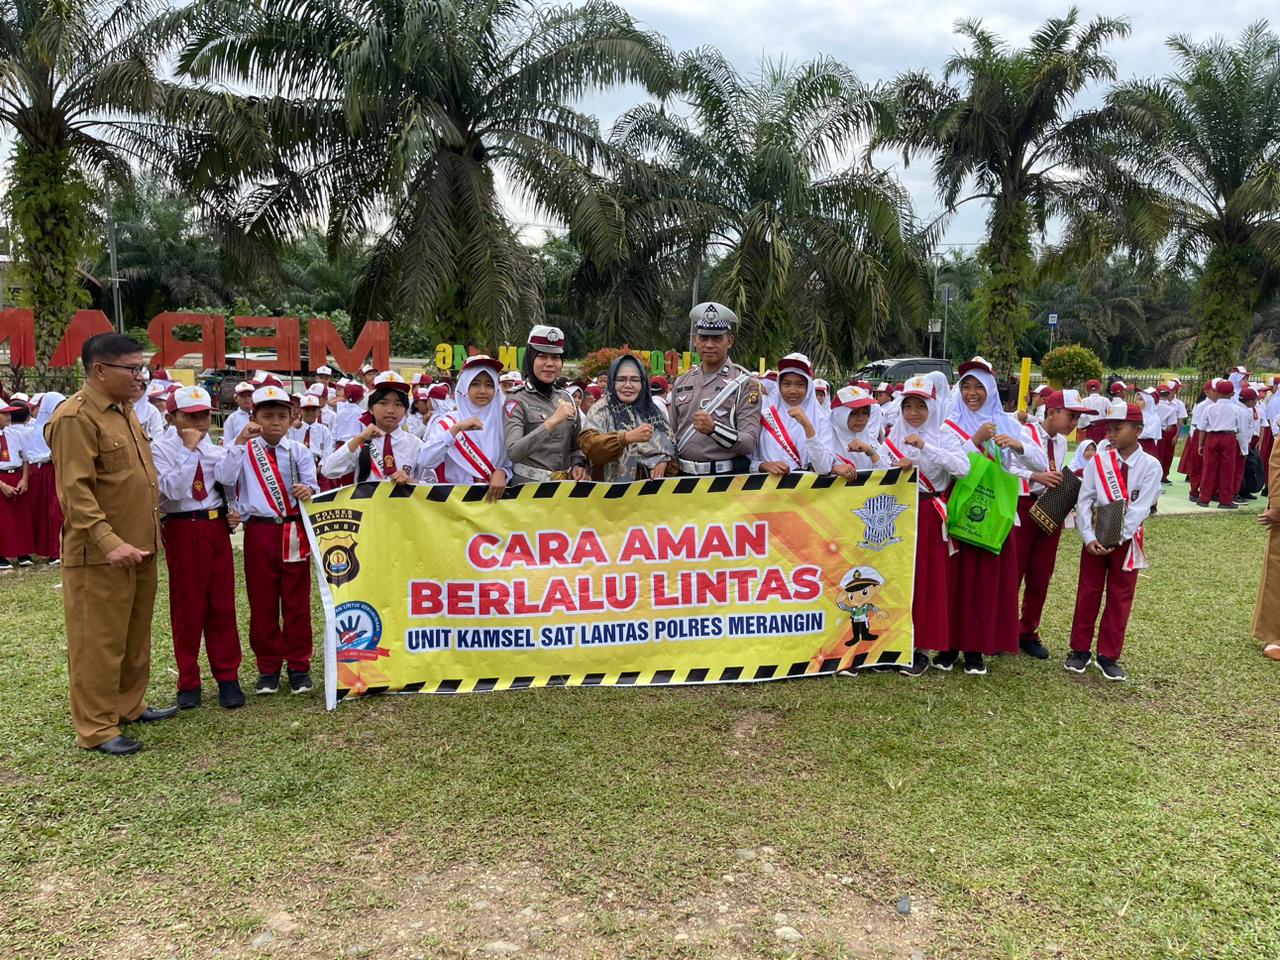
(880,515)
(335,532)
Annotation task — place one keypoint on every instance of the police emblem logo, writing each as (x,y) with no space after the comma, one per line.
(553,335)
(976,513)
(879,516)
(711,313)
(335,532)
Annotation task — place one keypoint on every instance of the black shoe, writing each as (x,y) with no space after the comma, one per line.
(1077,662)
(1250,496)
(974,665)
(300,681)
(5,566)
(155,714)
(267,683)
(1111,669)
(118,747)
(847,672)
(1239,500)
(1228,506)
(230,695)
(25,561)
(1034,648)
(1166,480)
(919,664)
(189,699)
(945,660)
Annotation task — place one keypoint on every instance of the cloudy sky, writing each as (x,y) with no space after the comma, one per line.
(880,38)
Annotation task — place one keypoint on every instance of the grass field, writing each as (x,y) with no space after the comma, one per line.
(1026,814)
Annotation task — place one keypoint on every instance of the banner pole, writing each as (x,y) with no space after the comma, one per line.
(1024,384)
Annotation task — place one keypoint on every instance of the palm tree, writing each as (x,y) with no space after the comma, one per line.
(399,116)
(812,255)
(1200,152)
(1001,130)
(82,96)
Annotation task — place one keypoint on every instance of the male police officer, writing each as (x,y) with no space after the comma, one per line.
(715,407)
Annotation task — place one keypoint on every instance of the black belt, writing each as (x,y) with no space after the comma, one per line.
(218,514)
(274,521)
(925,495)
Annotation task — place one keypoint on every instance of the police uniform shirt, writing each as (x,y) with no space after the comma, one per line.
(106,478)
(296,466)
(737,418)
(528,441)
(176,468)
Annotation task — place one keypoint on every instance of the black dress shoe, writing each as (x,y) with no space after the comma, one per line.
(153,714)
(119,746)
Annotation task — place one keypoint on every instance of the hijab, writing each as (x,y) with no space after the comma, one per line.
(612,414)
(490,439)
(843,436)
(38,449)
(526,372)
(992,412)
(767,447)
(930,431)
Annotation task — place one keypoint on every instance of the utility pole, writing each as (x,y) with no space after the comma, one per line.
(111,252)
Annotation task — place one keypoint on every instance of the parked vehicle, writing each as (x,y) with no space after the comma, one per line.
(898,370)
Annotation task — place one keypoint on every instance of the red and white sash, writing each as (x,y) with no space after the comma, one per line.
(375,460)
(1114,488)
(476,461)
(296,547)
(770,420)
(938,503)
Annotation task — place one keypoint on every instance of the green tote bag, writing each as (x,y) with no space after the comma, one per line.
(984,503)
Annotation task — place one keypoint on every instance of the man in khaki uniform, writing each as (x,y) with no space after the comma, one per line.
(110,537)
(715,407)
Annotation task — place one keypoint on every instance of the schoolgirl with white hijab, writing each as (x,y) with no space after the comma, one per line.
(919,439)
(468,444)
(856,433)
(47,514)
(983,586)
(793,436)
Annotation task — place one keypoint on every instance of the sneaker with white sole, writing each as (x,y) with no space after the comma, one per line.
(1111,669)
(300,681)
(974,665)
(25,561)
(268,683)
(919,664)
(1077,662)
(945,660)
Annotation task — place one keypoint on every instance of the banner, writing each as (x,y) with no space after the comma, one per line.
(686,580)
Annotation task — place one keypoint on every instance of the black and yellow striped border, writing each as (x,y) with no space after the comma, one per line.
(590,490)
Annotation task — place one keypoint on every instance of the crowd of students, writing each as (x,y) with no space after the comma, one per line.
(498,428)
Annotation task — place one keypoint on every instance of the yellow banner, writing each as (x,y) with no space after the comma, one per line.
(687,580)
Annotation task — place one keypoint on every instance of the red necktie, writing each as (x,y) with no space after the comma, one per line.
(198,491)
(1052,464)
(388,456)
(4,448)
(306,439)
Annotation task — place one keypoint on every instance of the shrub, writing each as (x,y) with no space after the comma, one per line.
(596,363)
(1071,365)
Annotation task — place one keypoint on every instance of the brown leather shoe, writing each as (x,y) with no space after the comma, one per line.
(1271,651)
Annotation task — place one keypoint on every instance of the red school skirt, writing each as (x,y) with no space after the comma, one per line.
(930,608)
(983,598)
(47,515)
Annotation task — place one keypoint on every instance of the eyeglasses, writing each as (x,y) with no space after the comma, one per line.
(634,380)
(136,371)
